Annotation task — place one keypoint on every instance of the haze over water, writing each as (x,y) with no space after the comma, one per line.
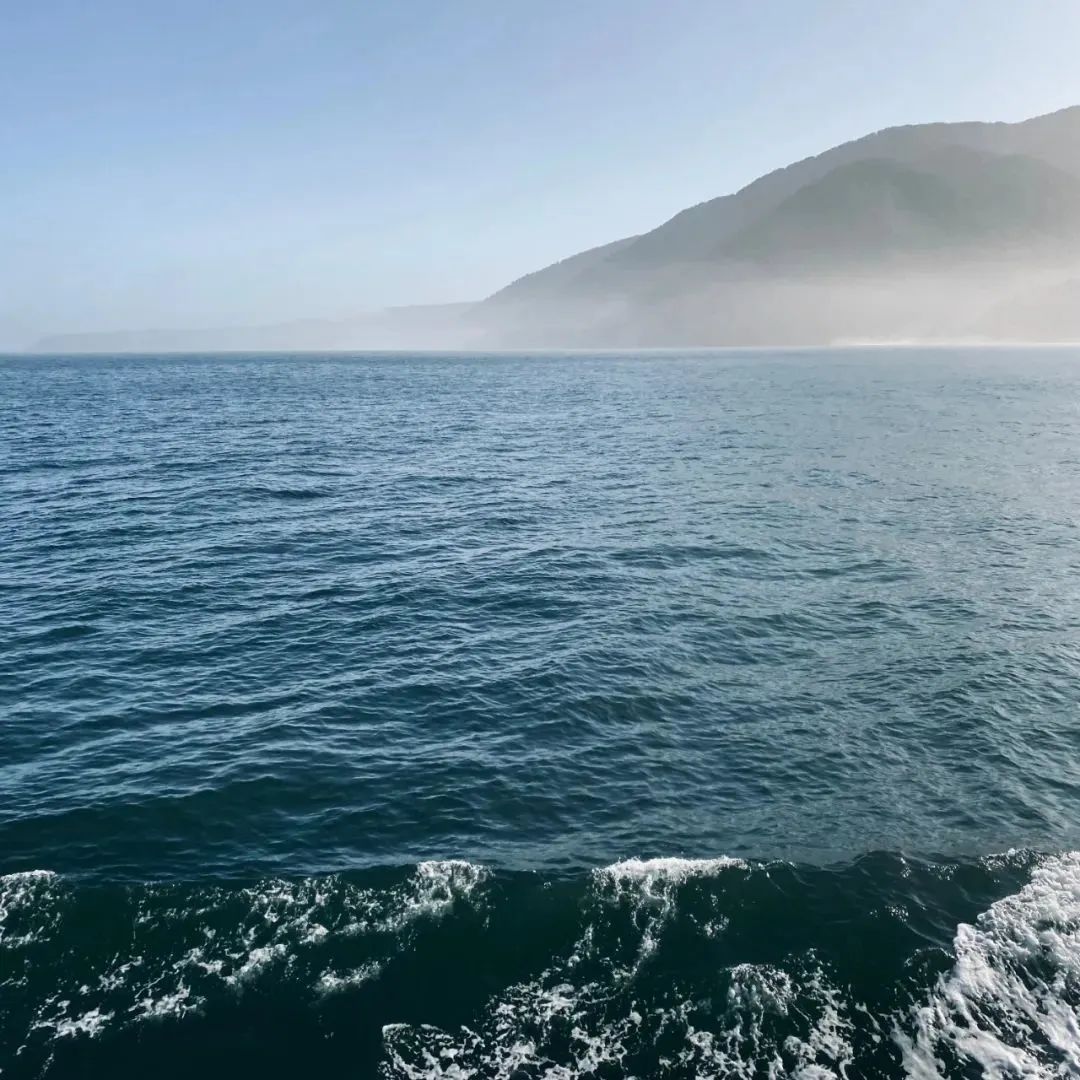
(579,715)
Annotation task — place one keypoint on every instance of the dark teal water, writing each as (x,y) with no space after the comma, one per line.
(660,715)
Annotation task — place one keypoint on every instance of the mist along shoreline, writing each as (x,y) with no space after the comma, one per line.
(544,351)
(938,232)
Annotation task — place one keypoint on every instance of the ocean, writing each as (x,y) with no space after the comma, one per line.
(678,714)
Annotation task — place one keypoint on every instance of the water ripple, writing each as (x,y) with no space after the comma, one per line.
(263,615)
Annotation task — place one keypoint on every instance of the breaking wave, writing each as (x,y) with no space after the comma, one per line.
(665,967)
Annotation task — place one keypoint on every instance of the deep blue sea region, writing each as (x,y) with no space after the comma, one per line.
(612,715)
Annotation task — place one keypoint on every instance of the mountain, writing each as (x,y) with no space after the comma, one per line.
(700,231)
(911,230)
(929,232)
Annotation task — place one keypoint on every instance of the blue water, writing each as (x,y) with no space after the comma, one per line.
(563,715)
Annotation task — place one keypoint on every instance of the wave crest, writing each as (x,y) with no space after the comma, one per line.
(677,968)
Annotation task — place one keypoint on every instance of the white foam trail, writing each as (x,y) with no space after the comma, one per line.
(231,939)
(1006,1009)
(1009,1004)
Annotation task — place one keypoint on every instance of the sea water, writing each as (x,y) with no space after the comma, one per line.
(657,715)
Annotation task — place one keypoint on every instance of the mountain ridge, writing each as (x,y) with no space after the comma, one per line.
(698,224)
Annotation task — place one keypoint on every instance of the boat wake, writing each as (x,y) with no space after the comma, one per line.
(671,967)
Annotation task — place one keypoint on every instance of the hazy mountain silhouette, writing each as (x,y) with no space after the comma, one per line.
(916,232)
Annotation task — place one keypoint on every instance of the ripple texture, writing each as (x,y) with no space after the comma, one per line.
(327,684)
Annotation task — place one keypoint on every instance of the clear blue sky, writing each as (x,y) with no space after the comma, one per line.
(214,163)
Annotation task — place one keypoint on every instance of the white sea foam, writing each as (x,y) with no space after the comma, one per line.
(90,1023)
(1006,1009)
(744,1046)
(584,1003)
(19,891)
(513,1036)
(595,1033)
(177,1004)
(433,890)
(655,882)
(668,869)
(231,939)
(422,1052)
(259,958)
(651,887)
(118,976)
(11,885)
(330,982)
(315,911)
(1009,1004)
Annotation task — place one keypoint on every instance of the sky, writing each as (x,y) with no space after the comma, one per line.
(224,163)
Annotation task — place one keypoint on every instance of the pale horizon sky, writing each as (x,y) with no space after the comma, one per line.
(213,164)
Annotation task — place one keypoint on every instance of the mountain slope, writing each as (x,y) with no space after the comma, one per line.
(699,232)
(564,274)
(956,204)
